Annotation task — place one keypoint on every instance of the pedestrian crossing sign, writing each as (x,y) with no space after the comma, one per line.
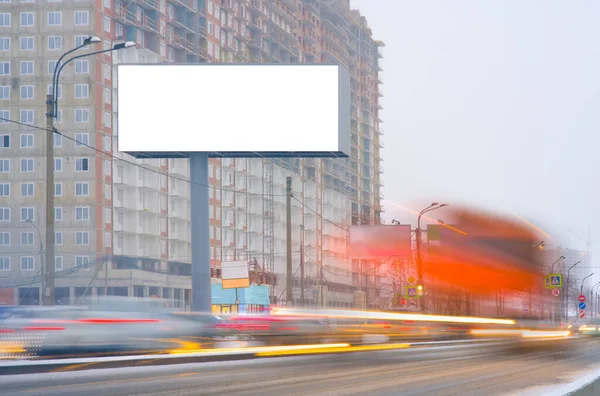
(411,291)
(555,280)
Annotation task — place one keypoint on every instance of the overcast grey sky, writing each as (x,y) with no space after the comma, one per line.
(494,103)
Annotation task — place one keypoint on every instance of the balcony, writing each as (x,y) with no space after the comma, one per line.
(148,24)
(148,4)
(126,17)
(179,42)
(189,5)
(293,5)
(310,36)
(282,10)
(226,5)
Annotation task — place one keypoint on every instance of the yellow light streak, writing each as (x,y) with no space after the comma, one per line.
(392,316)
(345,349)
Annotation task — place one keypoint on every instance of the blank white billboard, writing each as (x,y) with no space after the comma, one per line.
(233,110)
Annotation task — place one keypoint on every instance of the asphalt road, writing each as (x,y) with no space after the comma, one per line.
(439,370)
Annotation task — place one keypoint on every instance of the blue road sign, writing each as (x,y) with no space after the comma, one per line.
(581,305)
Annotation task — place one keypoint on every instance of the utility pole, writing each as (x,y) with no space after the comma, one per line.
(289,279)
(49,293)
(302,263)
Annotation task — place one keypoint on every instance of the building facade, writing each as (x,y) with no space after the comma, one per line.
(123,223)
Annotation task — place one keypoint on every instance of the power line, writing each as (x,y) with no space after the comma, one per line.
(321,216)
(56,131)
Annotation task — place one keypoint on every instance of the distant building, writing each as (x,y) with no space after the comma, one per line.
(133,215)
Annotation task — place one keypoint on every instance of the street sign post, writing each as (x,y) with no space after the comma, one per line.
(403,301)
(556,292)
(582,298)
(547,282)
(525,307)
(582,306)
(412,303)
(411,280)
(582,314)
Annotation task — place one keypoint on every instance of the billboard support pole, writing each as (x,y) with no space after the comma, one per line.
(200,223)
(289,278)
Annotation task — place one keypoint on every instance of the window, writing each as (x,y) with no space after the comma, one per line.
(4,214)
(82,213)
(54,43)
(57,164)
(51,66)
(119,30)
(82,189)
(82,262)
(26,43)
(106,142)
(107,215)
(4,141)
(4,165)
(4,263)
(4,238)
(26,91)
(107,168)
(58,238)
(58,189)
(27,214)
(27,263)
(82,115)
(106,71)
(106,24)
(107,191)
(27,140)
(4,92)
(82,91)
(5,19)
(4,117)
(82,18)
(26,238)
(82,238)
(4,189)
(82,139)
(106,4)
(26,116)
(82,164)
(5,68)
(107,95)
(27,189)
(58,263)
(58,214)
(107,119)
(107,239)
(4,43)
(27,165)
(27,19)
(26,68)
(57,140)
(54,18)
(82,66)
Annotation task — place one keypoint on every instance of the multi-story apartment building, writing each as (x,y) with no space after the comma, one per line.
(134,214)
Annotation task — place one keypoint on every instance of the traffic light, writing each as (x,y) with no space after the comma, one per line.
(420,290)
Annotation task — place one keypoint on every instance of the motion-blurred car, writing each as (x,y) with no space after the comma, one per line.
(108,326)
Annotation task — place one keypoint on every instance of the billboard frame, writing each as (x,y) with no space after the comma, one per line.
(344,116)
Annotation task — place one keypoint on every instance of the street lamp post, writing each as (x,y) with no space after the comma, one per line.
(567,293)
(561,258)
(593,304)
(51,112)
(430,208)
(582,281)
(41,251)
